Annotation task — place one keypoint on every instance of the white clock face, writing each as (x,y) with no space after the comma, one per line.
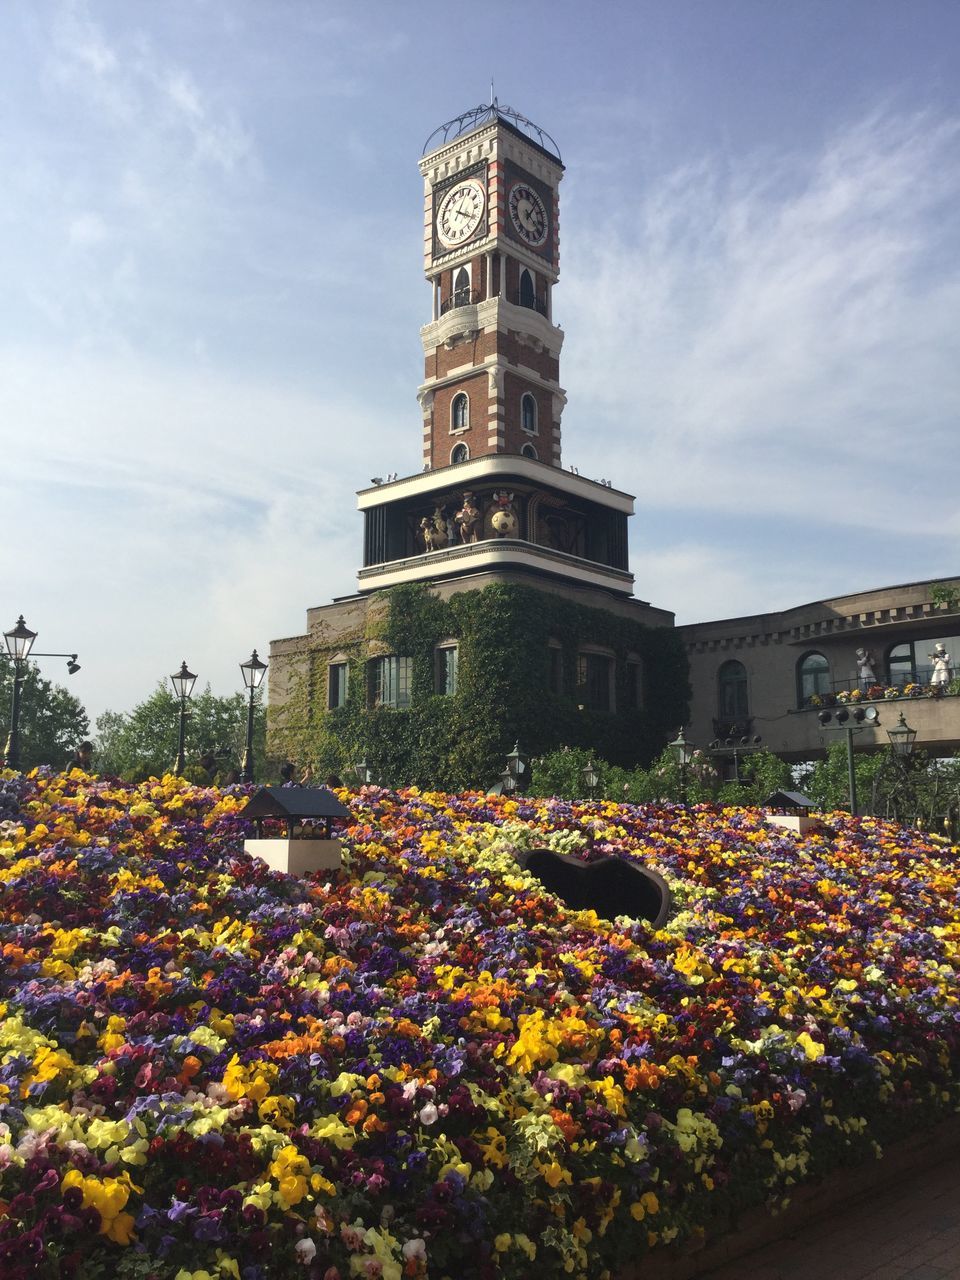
(528,215)
(461,212)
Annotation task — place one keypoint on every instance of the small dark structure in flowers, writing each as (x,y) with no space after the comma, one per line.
(609,886)
(301,807)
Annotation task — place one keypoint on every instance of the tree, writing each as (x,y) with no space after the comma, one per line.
(52,721)
(143,743)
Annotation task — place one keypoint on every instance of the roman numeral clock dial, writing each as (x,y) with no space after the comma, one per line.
(528,215)
(461,212)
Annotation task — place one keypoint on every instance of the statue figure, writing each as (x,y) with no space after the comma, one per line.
(439,528)
(866,675)
(941,665)
(468,517)
(428,533)
(502,516)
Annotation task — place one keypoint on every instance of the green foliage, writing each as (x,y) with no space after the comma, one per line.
(52,721)
(143,743)
(460,741)
(827,781)
(947,593)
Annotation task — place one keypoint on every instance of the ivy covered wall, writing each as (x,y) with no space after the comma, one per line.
(504,634)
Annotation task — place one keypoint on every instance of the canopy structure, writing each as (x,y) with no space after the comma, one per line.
(298,806)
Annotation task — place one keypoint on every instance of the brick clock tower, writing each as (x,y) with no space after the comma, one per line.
(491,254)
(490,504)
(492,495)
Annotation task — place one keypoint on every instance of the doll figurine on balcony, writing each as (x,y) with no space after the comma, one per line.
(941,665)
(865,672)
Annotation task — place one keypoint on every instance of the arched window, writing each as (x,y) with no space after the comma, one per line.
(528,294)
(528,451)
(461,288)
(459,453)
(460,412)
(528,413)
(732,691)
(813,677)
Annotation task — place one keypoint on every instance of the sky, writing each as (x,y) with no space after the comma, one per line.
(212,279)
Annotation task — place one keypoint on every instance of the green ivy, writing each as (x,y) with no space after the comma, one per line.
(459,741)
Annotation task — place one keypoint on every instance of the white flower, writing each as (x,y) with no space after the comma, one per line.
(305,1250)
(415,1249)
(428,1114)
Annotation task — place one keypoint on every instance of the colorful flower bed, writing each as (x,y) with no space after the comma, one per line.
(422,1065)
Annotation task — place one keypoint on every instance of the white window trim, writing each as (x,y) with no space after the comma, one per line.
(339,660)
(528,451)
(461,444)
(459,431)
(451,642)
(535,429)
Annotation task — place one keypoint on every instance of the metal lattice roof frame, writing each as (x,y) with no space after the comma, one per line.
(487,111)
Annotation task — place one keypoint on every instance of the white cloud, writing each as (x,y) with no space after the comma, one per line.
(778,339)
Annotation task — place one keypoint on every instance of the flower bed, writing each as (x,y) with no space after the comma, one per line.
(422,1065)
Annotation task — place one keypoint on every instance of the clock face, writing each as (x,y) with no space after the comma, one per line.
(461,212)
(528,215)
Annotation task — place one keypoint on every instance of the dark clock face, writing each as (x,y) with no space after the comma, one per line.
(528,215)
(461,212)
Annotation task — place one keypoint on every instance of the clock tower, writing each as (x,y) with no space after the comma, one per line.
(491,349)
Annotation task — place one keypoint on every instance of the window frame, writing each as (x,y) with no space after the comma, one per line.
(460,445)
(460,398)
(741,684)
(803,697)
(400,684)
(442,683)
(339,664)
(528,398)
(586,656)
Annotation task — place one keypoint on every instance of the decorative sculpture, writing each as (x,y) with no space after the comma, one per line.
(866,675)
(502,517)
(941,664)
(468,517)
(433,530)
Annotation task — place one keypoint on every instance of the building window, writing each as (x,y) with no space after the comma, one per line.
(732,691)
(461,288)
(528,413)
(459,453)
(390,680)
(528,294)
(634,683)
(460,412)
(912,660)
(446,661)
(555,667)
(338,684)
(813,677)
(528,451)
(594,672)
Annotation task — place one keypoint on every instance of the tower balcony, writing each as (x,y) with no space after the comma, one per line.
(466,312)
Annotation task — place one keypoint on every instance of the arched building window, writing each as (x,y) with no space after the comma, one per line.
(732,701)
(461,288)
(528,294)
(460,412)
(528,413)
(813,677)
(528,451)
(459,453)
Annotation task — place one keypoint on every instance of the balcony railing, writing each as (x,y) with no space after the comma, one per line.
(461,298)
(534,304)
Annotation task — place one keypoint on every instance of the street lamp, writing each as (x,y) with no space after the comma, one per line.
(19,641)
(723,748)
(183,682)
(868,714)
(364,772)
(517,765)
(902,740)
(590,777)
(253,671)
(683,752)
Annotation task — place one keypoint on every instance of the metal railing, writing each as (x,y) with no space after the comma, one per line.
(461,298)
(533,304)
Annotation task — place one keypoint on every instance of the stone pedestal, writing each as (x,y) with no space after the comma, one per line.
(794,822)
(296,857)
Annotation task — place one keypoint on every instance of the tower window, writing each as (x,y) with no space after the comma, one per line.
(528,413)
(459,453)
(461,288)
(528,294)
(528,451)
(595,680)
(460,412)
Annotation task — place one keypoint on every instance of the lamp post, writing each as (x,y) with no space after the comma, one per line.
(843,725)
(183,682)
(902,741)
(517,765)
(724,748)
(19,640)
(683,753)
(253,671)
(590,777)
(364,772)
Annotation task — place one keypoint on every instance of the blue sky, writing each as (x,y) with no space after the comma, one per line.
(210,251)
